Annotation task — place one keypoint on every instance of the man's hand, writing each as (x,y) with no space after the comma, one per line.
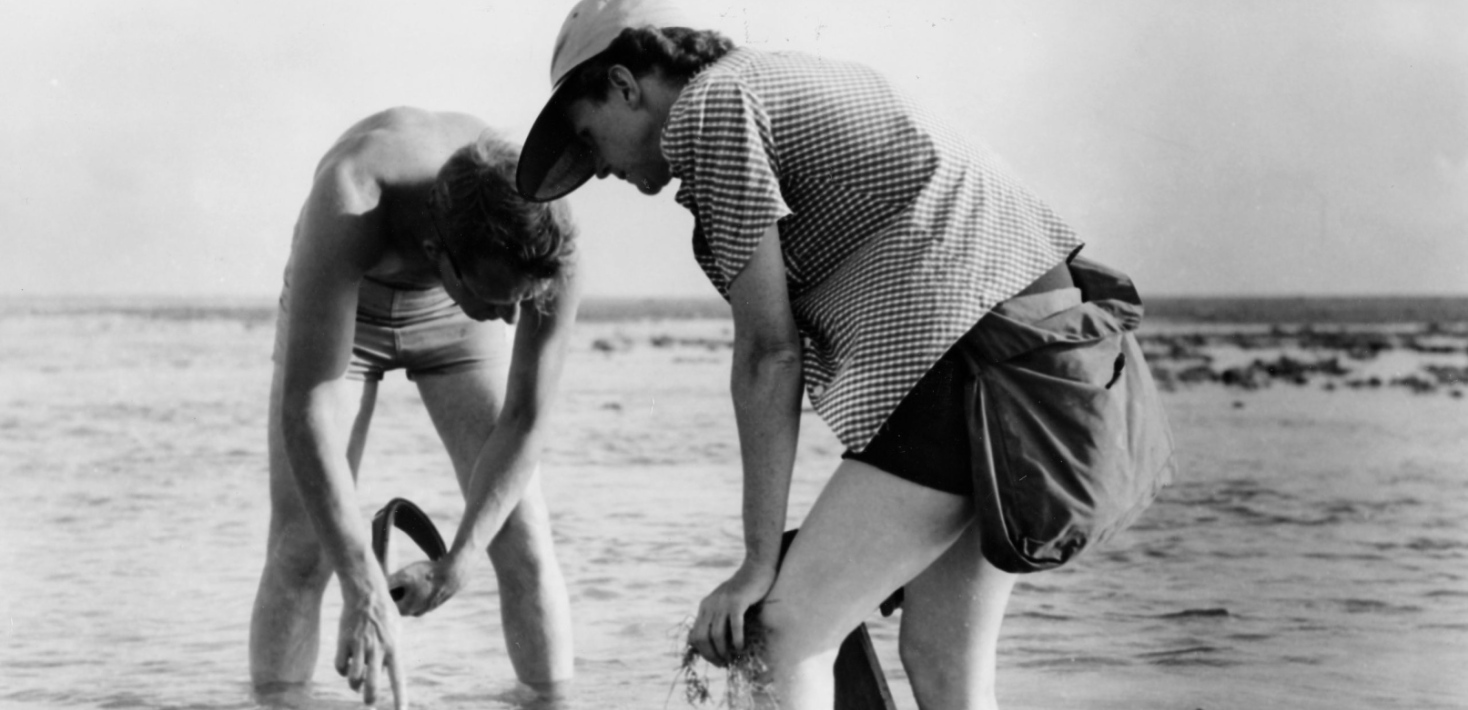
(426,585)
(367,642)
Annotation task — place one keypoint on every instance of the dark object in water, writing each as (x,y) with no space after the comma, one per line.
(860,684)
(402,514)
(1209,613)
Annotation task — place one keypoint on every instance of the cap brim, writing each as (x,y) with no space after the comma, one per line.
(553,161)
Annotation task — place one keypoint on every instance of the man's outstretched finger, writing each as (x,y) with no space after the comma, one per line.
(399,683)
(370,684)
(373,675)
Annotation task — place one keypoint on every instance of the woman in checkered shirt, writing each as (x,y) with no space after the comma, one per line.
(892,271)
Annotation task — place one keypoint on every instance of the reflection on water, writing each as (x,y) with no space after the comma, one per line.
(1312,555)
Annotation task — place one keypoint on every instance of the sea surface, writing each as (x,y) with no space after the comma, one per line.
(1312,554)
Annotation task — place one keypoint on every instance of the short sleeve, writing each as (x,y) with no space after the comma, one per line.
(718,143)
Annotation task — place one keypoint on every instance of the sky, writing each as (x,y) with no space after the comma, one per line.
(1206,147)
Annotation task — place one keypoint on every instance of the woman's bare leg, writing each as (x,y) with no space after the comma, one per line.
(869,533)
(951,615)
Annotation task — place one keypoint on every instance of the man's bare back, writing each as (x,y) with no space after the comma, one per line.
(392,157)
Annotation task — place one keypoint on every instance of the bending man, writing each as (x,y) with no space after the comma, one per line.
(410,247)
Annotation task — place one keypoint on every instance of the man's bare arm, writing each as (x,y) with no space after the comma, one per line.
(336,242)
(327,264)
(511,453)
(509,457)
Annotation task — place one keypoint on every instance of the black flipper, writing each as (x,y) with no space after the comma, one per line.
(402,514)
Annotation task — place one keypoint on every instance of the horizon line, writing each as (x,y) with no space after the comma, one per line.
(267,298)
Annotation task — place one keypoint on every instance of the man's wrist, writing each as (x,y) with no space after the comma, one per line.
(361,574)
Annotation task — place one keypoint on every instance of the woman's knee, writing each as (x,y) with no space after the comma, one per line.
(790,632)
(926,663)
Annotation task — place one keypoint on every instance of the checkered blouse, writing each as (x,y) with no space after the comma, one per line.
(898,235)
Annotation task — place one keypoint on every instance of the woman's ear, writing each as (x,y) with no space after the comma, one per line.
(430,247)
(624,84)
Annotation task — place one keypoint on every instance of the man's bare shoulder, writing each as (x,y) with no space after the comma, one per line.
(401,145)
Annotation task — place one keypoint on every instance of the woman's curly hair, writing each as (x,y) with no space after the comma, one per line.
(479,213)
(679,52)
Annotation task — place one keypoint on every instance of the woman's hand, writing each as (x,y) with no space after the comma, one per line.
(718,632)
(367,643)
(765,383)
(426,585)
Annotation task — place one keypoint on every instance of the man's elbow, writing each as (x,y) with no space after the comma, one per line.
(302,411)
(296,430)
(526,411)
(520,417)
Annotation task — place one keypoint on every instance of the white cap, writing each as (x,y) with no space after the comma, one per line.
(553,162)
(593,24)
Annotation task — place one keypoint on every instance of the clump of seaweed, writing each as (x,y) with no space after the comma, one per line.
(743,687)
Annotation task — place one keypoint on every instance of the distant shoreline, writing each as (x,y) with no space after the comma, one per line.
(1190,309)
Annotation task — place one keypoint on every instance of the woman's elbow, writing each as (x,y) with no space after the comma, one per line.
(769,359)
(786,356)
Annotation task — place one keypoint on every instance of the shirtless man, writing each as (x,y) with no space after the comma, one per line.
(411,246)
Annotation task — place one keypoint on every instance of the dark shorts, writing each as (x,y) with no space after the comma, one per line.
(421,331)
(926,440)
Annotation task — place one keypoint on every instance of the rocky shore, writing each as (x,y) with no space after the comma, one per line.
(1427,359)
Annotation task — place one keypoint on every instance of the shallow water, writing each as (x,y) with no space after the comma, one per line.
(1312,555)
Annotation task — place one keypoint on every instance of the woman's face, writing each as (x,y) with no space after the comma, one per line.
(624,132)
